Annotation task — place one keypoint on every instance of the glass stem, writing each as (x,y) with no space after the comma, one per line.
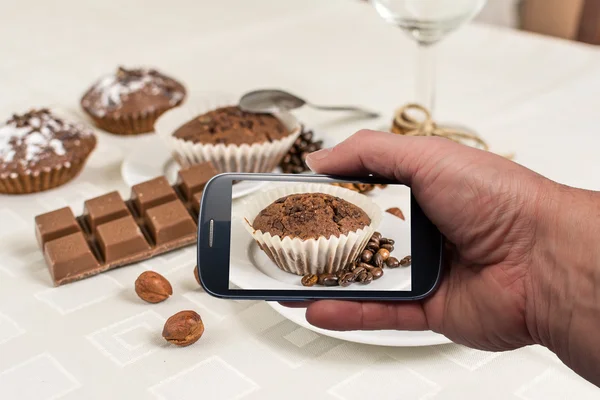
(426,74)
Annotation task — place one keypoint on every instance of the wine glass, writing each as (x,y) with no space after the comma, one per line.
(427,22)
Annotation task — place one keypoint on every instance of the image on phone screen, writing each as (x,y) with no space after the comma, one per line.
(332,236)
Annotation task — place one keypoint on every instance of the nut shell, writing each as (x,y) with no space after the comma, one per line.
(183,328)
(152,287)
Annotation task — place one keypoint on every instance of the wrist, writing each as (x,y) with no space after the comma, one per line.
(563,311)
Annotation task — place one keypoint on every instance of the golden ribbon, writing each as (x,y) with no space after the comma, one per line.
(406,124)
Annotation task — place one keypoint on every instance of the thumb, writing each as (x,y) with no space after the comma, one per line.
(383,154)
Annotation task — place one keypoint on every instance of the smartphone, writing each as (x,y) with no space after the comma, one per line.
(291,237)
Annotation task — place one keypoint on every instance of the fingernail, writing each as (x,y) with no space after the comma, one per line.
(316,156)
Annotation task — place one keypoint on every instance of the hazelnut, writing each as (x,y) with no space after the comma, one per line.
(153,287)
(183,328)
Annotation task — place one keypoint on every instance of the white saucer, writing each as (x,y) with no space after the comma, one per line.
(252,269)
(378,338)
(151,159)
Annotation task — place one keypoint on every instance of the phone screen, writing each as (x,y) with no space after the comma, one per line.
(320,236)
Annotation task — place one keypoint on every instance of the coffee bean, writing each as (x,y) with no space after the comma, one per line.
(310,280)
(385,253)
(366,255)
(377,273)
(378,260)
(361,277)
(341,273)
(366,278)
(373,247)
(325,276)
(366,266)
(347,279)
(406,261)
(387,241)
(376,235)
(387,246)
(392,262)
(350,266)
(358,271)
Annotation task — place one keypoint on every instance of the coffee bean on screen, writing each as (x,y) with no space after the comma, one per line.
(366,266)
(346,279)
(351,266)
(385,253)
(309,280)
(378,260)
(377,273)
(373,247)
(329,280)
(387,246)
(358,271)
(406,261)
(387,241)
(392,262)
(366,278)
(376,235)
(366,255)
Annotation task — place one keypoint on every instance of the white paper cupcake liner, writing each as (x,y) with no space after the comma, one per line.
(258,157)
(311,256)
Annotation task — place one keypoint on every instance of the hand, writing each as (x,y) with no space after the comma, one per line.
(485,205)
(526,261)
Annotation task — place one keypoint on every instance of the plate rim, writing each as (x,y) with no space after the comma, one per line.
(429,338)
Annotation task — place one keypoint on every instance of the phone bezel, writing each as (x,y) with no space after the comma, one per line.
(426,245)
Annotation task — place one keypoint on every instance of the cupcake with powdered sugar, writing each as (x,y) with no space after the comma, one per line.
(40,151)
(129,101)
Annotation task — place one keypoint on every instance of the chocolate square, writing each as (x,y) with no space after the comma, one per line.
(194,178)
(102,209)
(168,222)
(151,193)
(68,257)
(196,202)
(55,224)
(120,239)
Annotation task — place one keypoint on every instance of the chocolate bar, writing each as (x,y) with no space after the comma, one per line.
(113,232)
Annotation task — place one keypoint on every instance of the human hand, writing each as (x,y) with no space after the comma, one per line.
(485,205)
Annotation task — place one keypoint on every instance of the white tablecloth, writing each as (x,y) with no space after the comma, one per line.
(92,340)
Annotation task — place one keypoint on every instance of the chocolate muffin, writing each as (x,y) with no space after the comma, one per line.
(39,151)
(310,216)
(231,125)
(129,101)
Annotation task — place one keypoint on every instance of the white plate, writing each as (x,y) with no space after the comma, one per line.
(151,159)
(378,338)
(252,269)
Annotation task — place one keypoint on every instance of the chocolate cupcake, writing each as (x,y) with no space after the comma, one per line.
(39,151)
(311,228)
(130,101)
(217,131)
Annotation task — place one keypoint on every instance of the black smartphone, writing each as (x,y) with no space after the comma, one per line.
(288,237)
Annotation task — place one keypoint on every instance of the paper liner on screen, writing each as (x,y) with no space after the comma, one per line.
(312,256)
(258,157)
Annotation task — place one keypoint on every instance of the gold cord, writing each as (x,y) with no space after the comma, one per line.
(406,124)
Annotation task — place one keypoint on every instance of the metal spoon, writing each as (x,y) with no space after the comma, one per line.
(273,100)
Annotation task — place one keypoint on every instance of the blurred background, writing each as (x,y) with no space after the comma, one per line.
(577,20)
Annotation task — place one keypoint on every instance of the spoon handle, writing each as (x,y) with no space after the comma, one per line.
(367,113)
